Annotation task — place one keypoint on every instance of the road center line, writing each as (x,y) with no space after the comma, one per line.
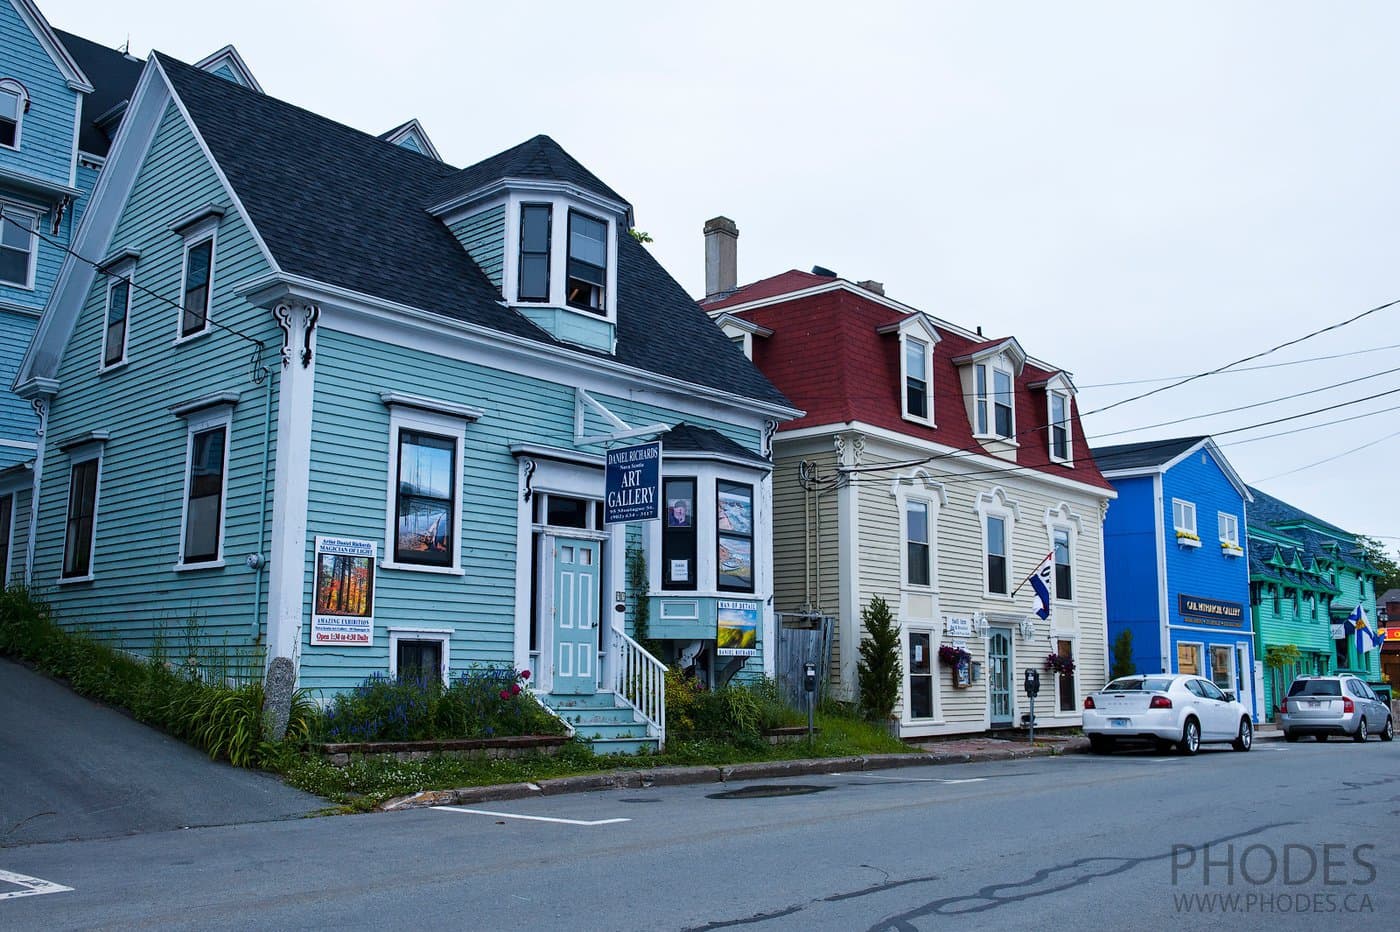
(33,886)
(530,818)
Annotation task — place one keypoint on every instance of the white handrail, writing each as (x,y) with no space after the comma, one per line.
(639,679)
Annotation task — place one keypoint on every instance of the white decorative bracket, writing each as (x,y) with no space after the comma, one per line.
(584,401)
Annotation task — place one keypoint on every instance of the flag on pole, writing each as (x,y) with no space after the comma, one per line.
(1366,639)
(1040,583)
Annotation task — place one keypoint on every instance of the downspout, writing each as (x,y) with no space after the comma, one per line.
(41,407)
(257,562)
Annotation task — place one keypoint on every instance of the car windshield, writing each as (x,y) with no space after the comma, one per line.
(1134,684)
(1315,688)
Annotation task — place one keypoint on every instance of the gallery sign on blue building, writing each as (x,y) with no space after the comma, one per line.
(632,478)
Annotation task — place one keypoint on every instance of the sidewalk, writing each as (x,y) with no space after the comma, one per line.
(960,751)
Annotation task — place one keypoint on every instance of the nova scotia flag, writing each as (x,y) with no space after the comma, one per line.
(1040,583)
(1366,639)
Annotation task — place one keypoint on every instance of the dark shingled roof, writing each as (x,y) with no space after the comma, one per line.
(343,207)
(1142,455)
(1270,510)
(113,76)
(540,157)
(687,438)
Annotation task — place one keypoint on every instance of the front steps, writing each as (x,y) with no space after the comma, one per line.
(605,722)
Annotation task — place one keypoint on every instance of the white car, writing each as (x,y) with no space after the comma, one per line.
(1167,709)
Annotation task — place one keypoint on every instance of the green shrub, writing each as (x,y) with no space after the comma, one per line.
(878,671)
(1122,656)
(737,714)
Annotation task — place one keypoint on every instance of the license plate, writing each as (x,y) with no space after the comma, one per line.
(1310,703)
(1119,722)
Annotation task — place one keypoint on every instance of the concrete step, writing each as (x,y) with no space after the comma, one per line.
(594,731)
(584,717)
(623,745)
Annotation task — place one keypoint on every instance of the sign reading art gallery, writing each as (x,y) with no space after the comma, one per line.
(344,609)
(1198,610)
(737,635)
(632,478)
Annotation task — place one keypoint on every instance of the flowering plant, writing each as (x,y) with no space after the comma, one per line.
(1187,535)
(1058,663)
(1231,548)
(951,656)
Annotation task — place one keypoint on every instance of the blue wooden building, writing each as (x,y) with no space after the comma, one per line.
(316,392)
(1176,572)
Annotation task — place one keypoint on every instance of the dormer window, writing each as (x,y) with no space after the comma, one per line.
(917,363)
(535,223)
(1059,426)
(996,413)
(14,100)
(588,262)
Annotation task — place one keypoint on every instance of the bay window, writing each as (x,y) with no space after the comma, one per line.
(588,262)
(734,536)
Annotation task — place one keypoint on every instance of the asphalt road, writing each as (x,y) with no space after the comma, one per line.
(1299,836)
(71,768)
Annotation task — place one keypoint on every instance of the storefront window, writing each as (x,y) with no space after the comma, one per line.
(1188,658)
(920,675)
(734,524)
(1068,701)
(1220,673)
(678,534)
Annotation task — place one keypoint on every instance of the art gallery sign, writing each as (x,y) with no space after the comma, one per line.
(632,483)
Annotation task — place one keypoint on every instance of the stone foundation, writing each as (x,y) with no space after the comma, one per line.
(340,755)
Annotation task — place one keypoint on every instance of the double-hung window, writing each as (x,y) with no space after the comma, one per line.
(679,534)
(588,263)
(1064,575)
(205,484)
(916,378)
(199,270)
(82,514)
(17,246)
(535,224)
(996,555)
(1184,518)
(1229,529)
(995,401)
(1059,426)
(13,102)
(118,317)
(423,520)
(1002,403)
(918,569)
(734,536)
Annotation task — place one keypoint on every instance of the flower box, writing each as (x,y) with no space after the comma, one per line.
(1231,550)
(1187,539)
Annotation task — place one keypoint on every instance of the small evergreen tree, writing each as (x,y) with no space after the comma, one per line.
(879,672)
(1123,656)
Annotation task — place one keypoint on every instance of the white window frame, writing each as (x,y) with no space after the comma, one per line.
(1073,639)
(918,487)
(926,377)
(443,636)
(930,544)
(984,400)
(995,504)
(934,631)
(195,235)
(1186,524)
(197,423)
(1066,423)
(11,209)
(1229,527)
(15,87)
(1200,658)
(1063,518)
(560,205)
(123,271)
(450,421)
(85,453)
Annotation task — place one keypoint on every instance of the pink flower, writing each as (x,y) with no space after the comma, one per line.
(524,674)
(505,694)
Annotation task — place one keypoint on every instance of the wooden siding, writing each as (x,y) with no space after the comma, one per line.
(483,236)
(806,564)
(17,419)
(46,134)
(136,596)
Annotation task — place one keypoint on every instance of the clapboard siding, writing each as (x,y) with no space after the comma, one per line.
(136,597)
(806,546)
(46,133)
(17,418)
(483,235)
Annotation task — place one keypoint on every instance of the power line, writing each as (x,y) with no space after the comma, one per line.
(1271,365)
(1329,459)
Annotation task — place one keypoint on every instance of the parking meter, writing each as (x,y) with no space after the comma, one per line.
(1032,690)
(809,683)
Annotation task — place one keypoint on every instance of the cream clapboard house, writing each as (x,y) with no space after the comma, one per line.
(936,469)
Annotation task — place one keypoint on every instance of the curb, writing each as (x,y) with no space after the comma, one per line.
(682,776)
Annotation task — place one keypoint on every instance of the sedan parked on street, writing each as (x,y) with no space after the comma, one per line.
(1340,704)
(1166,709)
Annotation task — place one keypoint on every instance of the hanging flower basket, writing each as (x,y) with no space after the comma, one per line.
(951,656)
(1057,663)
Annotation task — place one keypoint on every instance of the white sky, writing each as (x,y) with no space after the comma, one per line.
(1133,190)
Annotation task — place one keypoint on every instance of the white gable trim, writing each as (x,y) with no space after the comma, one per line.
(49,40)
(415,129)
(1208,445)
(93,237)
(228,55)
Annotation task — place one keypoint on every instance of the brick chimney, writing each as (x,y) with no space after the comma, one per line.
(721,256)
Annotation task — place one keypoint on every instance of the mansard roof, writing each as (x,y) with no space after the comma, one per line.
(345,208)
(113,75)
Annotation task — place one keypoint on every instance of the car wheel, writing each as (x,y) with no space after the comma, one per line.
(1290,737)
(1101,744)
(1388,732)
(1190,741)
(1360,735)
(1245,740)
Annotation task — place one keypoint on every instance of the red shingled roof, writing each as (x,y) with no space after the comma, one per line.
(827,355)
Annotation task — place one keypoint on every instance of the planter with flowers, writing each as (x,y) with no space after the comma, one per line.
(959,661)
(1059,663)
(1231,549)
(1187,539)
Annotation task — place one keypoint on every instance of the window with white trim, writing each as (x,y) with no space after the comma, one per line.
(997,553)
(922,688)
(14,102)
(1059,427)
(918,549)
(420,654)
(80,530)
(1065,692)
(1064,570)
(586,286)
(998,517)
(18,245)
(197,286)
(918,379)
(206,487)
(1184,517)
(424,509)
(734,537)
(994,400)
(118,318)
(536,221)
(1229,528)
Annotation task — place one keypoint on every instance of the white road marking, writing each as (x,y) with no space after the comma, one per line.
(876,776)
(530,818)
(33,886)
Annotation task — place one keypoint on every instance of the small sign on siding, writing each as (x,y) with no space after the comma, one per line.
(343,613)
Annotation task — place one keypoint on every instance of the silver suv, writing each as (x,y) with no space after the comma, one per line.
(1334,705)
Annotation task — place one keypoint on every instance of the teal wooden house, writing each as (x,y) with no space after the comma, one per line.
(316,391)
(1306,578)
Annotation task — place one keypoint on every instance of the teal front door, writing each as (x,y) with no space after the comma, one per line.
(575,613)
(999,677)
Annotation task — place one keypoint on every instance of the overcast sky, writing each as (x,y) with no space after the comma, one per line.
(1133,190)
